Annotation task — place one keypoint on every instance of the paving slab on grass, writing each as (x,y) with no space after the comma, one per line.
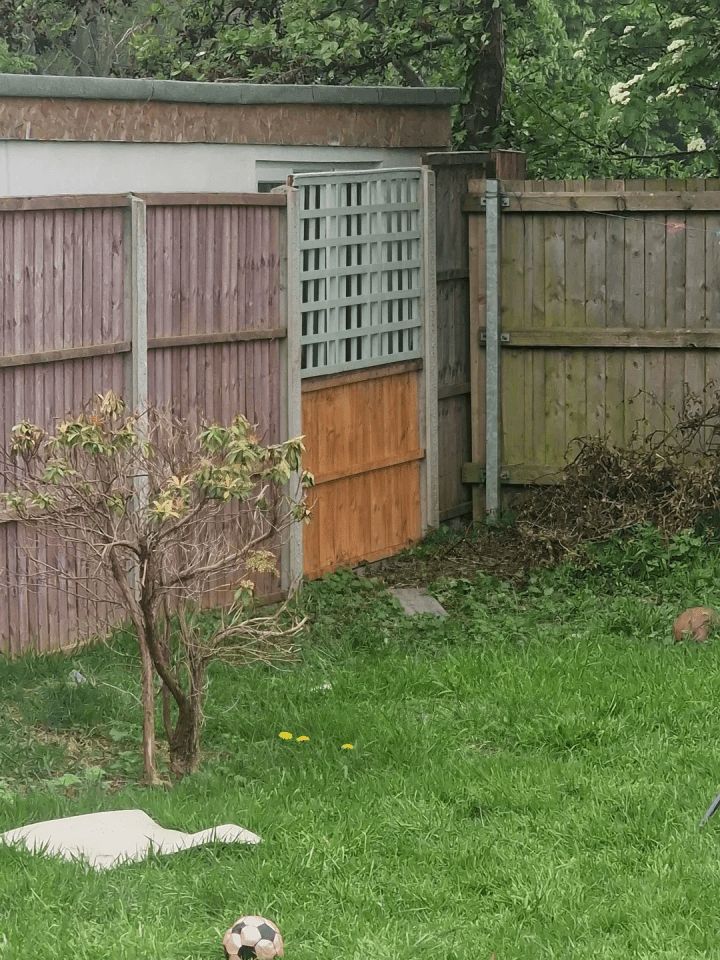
(416,600)
(105,840)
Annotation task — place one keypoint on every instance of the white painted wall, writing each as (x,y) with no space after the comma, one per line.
(49,168)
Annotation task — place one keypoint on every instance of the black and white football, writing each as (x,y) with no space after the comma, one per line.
(252,937)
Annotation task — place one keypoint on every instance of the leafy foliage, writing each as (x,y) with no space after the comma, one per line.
(83,37)
(625,90)
(166,517)
(442,42)
(587,88)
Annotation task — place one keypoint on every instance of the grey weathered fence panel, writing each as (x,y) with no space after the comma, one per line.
(214,331)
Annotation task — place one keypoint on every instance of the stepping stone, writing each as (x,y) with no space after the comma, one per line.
(416,600)
(105,840)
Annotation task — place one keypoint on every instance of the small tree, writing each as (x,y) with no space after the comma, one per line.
(167,515)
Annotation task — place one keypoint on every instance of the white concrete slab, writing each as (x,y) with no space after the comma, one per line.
(105,840)
(416,600)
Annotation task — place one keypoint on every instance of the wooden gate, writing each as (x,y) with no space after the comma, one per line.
(363,298)
(609,310)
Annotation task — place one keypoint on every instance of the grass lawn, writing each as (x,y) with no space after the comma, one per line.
(527,778)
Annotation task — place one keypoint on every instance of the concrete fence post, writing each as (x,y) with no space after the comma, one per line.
(292,565)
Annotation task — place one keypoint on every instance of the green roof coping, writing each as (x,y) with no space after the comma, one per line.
(181,91)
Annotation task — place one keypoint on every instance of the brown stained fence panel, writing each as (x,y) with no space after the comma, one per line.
(214,274)
(62,289)
(610,306)
(363,448)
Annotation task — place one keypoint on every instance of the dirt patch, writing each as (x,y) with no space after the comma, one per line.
(503,552)
(669,479)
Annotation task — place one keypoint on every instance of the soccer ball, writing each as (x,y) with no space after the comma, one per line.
(253,937)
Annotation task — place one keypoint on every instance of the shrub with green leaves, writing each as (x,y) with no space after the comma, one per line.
(167,515)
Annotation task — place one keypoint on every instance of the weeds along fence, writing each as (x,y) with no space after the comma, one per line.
(172,299)
(594,306)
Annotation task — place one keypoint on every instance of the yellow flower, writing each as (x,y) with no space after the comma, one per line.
(302,739)
(347,746)
(285,735)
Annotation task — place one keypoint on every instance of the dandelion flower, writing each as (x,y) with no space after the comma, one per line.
(302,739)
(347,746)
(284,735)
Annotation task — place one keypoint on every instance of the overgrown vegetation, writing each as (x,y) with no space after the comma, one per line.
(663,485)
(526,778)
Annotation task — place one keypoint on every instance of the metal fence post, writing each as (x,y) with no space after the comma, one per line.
(492,350)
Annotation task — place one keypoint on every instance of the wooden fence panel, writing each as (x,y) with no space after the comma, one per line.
(362,441)
(453,334)
(63,288)
(214,273)
(452,172)
(610,295)
(215,326)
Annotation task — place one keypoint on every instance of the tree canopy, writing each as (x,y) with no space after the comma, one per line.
(587,88)
(617,90)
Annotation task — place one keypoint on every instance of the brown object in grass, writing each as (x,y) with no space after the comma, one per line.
(696,623)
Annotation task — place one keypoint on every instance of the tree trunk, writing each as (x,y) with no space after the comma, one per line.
(150,774)
(185,741)
(483,113)
(127,592)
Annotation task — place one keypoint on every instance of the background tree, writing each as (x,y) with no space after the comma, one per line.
(414,43)
(166,516)
(616,90)
(72,37)
(587,88)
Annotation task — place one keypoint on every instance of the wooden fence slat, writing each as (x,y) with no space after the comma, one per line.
(712,283)
(622,296)
(596,316)
(695,295)
(555,291)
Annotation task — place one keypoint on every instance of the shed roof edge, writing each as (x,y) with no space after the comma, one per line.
(181,91)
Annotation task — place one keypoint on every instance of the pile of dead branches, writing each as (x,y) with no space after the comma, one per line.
(669,478)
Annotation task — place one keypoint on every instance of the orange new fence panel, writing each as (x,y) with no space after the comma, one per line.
(363,297)
(363,447)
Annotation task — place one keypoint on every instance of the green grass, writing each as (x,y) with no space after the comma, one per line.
(527,779)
